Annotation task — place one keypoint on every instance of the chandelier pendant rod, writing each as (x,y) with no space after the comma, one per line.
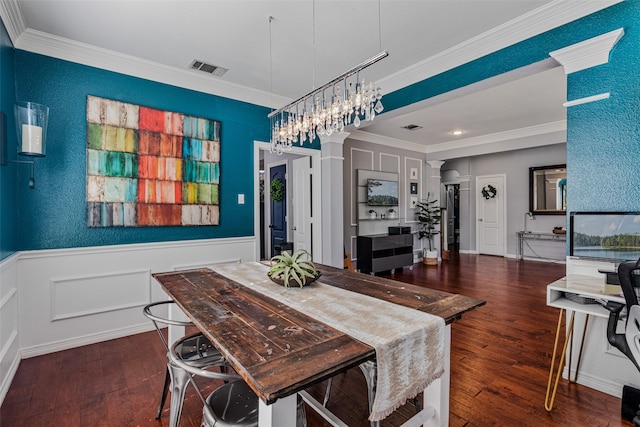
(344,75)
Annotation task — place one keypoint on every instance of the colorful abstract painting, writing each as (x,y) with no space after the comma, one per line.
(147,167)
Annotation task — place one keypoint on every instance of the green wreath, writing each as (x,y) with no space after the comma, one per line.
(489,192)
(277,190)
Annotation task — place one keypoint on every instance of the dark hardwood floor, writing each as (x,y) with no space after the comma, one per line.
(499,365)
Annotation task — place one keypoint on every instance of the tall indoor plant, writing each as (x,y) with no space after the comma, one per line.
(428,215)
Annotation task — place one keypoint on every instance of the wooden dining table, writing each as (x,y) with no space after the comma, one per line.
(280,351)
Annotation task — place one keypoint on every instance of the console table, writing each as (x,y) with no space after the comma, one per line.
(384,252)
(534,235)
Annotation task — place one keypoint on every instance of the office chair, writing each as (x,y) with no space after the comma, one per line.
(629,341)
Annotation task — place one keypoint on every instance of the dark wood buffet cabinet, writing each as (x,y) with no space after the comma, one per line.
(384,252)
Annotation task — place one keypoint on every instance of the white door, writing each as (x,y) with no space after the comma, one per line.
(491,214)
(302,199)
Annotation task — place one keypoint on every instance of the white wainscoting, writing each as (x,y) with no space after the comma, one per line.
(9,331)
(73,297)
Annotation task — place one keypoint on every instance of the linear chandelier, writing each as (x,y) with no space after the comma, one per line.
(327,109)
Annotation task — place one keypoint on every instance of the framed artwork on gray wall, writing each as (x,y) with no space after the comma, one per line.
(413,188)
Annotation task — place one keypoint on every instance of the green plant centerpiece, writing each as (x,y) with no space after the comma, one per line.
(428,215)
(288,268)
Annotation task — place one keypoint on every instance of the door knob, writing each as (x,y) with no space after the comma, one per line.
(294,228)
(270,225)
(479,219)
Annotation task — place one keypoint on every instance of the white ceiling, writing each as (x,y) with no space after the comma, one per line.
(169,35)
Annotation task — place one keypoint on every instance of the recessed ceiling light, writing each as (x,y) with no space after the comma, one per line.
(457,132)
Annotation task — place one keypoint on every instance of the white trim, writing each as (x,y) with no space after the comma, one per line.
(6,299)
(8,378)
(66,344)
(352,172)
(540,20)
(195,265)
(57,282)
(586,100)
(332,158)
(544,18)
(134,247)
(588,53)
(5,348)
(86,54)
(372,138)
(317,182)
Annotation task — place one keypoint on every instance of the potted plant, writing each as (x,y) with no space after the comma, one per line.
(287,268)
(428,215)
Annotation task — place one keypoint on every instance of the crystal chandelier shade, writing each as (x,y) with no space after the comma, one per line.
(343,101)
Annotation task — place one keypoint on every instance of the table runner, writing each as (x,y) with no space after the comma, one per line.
(409,344)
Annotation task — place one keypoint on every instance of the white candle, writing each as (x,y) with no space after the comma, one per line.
(31,139)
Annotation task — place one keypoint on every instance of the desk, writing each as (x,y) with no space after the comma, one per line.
(533,235)
(559,294)
(277,367)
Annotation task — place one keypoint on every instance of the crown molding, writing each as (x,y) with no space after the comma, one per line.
(509,135)
(83,53)
(12,18)
(484,140)
(545,18)
(540,20)
(387,141)
(588,53)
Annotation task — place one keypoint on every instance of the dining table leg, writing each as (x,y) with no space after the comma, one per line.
(436,395)
(281,413)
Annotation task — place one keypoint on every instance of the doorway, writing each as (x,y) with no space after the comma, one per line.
(452,194)
(278,208)
(302,223)
(491,214)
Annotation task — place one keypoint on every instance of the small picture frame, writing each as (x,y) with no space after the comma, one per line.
(414,202)
(413,174)
(413,188)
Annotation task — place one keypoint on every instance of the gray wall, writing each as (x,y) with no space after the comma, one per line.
(364,155)
(515,164)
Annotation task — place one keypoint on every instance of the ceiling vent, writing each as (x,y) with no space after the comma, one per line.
(411,127)
(208,68)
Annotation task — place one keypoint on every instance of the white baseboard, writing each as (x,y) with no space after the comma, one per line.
(51,347)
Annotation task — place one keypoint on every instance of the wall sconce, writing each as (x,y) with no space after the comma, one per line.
(31,131)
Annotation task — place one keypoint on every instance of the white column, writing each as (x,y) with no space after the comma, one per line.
(332,159)
(466,231)
(433,186)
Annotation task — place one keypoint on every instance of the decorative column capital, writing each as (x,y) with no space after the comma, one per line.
(435,164)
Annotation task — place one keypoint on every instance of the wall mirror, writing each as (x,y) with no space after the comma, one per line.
(548,190)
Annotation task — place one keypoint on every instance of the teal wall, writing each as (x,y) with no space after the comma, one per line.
(53,215)
(8,203)
(602,141)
